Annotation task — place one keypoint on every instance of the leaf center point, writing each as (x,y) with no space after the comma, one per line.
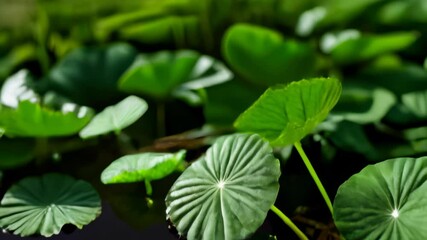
(395,213)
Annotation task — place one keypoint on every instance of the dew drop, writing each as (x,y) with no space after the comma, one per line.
(395,213)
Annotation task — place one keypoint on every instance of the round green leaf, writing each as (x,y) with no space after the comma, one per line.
(88,76)
(159,74)
(384,201)
(43,205)
(285,115)
(143,166)
(262,56)
(32,120)
(116,117)
(227,193)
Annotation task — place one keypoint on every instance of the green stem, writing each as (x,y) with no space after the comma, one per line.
(313,175)
(148,188)
(289,222)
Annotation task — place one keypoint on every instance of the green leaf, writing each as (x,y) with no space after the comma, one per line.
(227,193)
(88,76)
(416,102)
(223,105)
(285,115)
(116,117)
(142,166)
(159,74)
(31,120)
(43,205)
(384,201)
(264,57)
(369,46)
(16,152)
(382,101)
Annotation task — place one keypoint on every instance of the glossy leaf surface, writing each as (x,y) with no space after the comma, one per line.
(384,201)
(31,120)
(43,205)
(116,117)
(158,74)
(284,115)
(142,166)
(228,192)
(89,75)
(267,58)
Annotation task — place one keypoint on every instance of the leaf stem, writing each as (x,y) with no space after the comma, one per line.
(148,188)
(289,222)
(313,175)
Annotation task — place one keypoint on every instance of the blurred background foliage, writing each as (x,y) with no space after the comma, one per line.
(91,52)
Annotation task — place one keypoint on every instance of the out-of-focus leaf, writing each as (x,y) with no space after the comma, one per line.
(404,79)
(309,19)
(263,56)
(369,46)
(183,31)
(116,117)
(384,201)
(142,166)
(88,75)
(16,56)
(353,99)
(159,74)
(223,105)
(237,179)
(416,102)
(17,88)
(43,205)
(403,12)
(15,152)
(31,120)
(330,40)
(286,114)
(350,136)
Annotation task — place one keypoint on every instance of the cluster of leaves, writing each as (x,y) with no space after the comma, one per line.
(125,69)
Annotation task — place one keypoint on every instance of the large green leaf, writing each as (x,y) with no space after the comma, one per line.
(264,57)
(43,205)
(384,201)
(142,166)
(366,47)
(159,74)
(284,115)
(116,117)
(88,75)
(227,193)
(32,120)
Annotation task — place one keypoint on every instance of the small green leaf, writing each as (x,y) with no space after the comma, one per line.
(43,205)
(32,120)
(384,201)
(158,74)
(366,47)
(142,166)
(285,115)
(227,193)
(116,117)
(264,57)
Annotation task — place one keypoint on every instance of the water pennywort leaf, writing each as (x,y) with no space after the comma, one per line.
(43,205)
(237,179)
(142,166)
(32,120)
(384,201)
(285,115)
(116,117)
